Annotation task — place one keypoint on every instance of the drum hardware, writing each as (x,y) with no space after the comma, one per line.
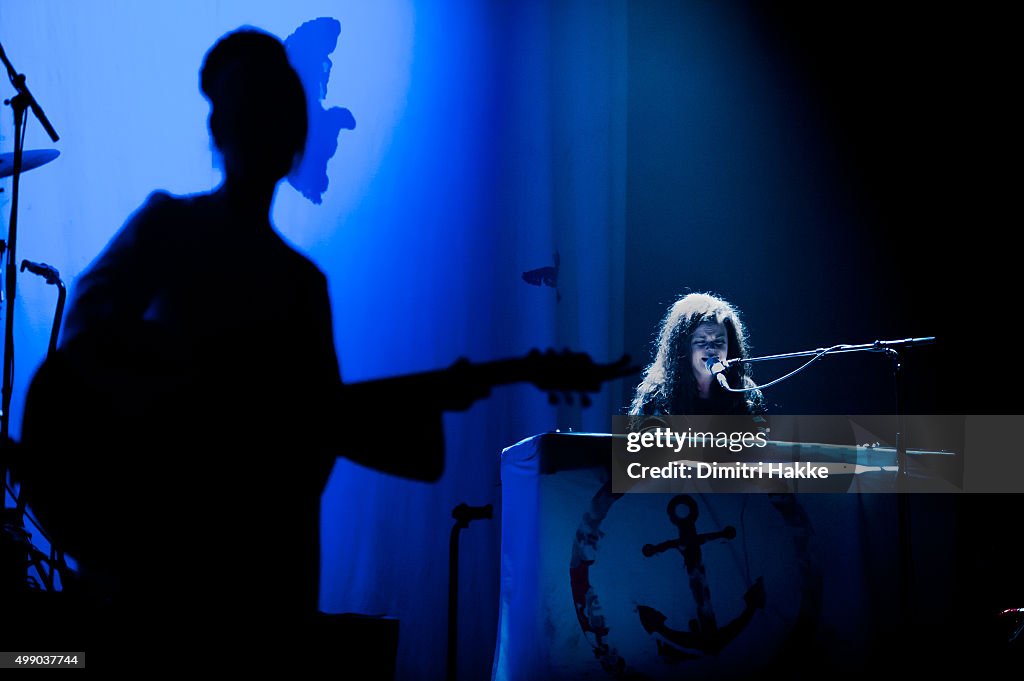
(33,158)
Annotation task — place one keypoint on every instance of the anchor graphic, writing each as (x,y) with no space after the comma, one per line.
(704,635)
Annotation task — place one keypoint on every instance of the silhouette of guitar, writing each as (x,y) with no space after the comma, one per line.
(119,389)
(75,494)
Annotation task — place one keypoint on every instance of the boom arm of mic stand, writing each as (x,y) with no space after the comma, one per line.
(889,347)
(18,81)
(877,346)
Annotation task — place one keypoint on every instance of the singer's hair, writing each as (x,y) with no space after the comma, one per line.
(669,386)
(258,100)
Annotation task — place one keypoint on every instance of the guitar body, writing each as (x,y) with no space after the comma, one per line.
(89,439)
(151,475)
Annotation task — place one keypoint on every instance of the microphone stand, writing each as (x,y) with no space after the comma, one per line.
(902,474)
(50,274)
(884,346)
(463,515)
(20,104)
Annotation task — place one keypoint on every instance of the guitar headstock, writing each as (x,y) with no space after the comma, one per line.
(569,372)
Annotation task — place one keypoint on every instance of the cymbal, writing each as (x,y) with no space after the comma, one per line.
(33,158)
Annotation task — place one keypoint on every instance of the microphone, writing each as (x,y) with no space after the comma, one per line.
(47,272)
(464,513)
(717,369)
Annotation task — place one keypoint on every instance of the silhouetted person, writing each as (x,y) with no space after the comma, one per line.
(185,431)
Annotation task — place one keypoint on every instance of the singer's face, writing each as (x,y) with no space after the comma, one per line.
(709,340)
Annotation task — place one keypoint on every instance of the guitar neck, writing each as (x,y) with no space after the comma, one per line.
(468,377)
(461,384)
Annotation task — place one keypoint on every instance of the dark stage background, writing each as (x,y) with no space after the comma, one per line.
(838,171)
(841,172)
